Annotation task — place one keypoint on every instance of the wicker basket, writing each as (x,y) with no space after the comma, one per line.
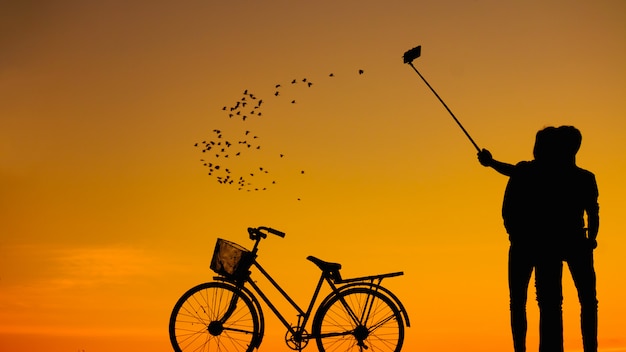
(231,260)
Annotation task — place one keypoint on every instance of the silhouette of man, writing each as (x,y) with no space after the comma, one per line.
(543,210)
(575,193)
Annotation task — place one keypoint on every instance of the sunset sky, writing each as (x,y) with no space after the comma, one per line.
(108,215)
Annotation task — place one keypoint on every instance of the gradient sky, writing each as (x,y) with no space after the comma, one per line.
(107,214)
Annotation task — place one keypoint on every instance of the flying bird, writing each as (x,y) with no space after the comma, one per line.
(220,143)
(361,72)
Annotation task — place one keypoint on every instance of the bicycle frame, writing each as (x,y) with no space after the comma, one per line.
(304,316)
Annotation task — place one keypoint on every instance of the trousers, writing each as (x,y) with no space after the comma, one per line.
(548,266)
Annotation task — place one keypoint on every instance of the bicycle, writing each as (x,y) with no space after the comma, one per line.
(225,315)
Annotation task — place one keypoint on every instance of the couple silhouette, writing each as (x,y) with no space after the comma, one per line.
(544,207)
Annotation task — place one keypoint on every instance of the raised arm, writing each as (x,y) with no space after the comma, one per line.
(486,159)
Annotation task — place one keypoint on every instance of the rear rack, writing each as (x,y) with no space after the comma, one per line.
(370,278)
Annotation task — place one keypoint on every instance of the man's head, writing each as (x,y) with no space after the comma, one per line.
(570,140)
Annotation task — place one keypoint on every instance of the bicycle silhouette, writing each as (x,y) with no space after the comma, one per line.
(225,315)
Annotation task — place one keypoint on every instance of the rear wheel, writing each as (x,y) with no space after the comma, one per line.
(359,319)
(214,316)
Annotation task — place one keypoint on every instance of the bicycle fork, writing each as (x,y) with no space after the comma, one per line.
(232,306)
(216,327)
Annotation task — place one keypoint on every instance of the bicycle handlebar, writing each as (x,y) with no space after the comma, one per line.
(258,232)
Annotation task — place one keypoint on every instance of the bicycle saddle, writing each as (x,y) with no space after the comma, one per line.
(327,267)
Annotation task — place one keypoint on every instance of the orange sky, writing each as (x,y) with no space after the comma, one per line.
(107,214)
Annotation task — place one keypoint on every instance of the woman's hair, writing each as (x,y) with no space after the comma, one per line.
(545,143)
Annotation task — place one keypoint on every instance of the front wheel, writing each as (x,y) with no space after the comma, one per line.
(359,319)
(214,316)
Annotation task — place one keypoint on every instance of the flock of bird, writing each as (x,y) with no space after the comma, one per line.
(221,148)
